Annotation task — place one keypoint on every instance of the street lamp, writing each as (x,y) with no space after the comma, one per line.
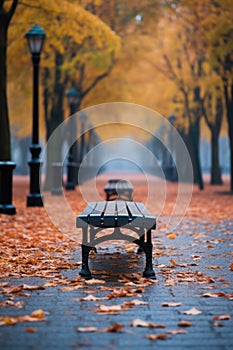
(35,38)
(73,98)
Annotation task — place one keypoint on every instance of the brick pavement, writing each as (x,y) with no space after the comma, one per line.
(202,252)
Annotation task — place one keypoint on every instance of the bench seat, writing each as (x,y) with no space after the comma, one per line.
(117,215)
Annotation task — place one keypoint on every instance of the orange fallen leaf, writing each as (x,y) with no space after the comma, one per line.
(222,317)
(114,328)
(213,267)
(94,281)
(7,320)
(214,295)
(30,330)
(39,314)
(130,249)
(184,323)
(161,336)
(122,292)
(137,322)
(231,266)
(171,236)
(173,263)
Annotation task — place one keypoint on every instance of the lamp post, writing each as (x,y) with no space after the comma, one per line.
(35,38)
(73,98)
(6,169)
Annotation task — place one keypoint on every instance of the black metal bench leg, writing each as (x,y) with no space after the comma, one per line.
(148,246)
(85,271)
(142,239)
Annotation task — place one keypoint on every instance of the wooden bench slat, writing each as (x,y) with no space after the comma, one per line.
(122,213)
(149,219)
(144,210)
(136,217)
(110,215)
(134,211)
(96,217)
(83,218)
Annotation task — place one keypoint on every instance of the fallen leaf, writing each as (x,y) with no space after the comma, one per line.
(112,309)
(231,266)
(122,292)
(30,330)
(192,311)
(161,336)
(116,327)
(94,281)
(7,320)
(136,302)
(213,267)
(173,263)
(171,304)
(86,329)
(39,314)
(137,322)
(218,324)
(177,331)
(28,287)
(184,323)
(222,317)
(214,295)
(172,236)
(90,297)
(130,249)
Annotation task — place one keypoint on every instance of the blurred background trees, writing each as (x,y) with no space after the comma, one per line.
(174,56)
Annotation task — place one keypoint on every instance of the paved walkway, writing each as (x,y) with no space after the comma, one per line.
(192,298)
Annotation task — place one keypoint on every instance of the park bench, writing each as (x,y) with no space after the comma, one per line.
(116,215)
(118,189)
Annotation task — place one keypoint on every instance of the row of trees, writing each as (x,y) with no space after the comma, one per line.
(201,67)
(184,44)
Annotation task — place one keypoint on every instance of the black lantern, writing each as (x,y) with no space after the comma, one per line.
(35,38)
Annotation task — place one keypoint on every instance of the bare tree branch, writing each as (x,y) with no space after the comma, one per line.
(97,79)
(12,10)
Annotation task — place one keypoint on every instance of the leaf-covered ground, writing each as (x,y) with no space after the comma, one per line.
(30,244)
(193,265)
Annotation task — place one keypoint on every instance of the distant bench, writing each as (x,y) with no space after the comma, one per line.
(116,215)
(118,189)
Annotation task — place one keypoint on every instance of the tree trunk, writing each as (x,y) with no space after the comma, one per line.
(214,126)
(56,118)
(229,107)
(5,144)
(194,129)
(215,168)
(194,134)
